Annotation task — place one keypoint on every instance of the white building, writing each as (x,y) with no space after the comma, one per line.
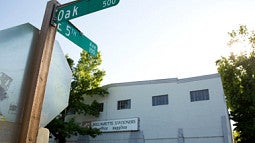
(189,110)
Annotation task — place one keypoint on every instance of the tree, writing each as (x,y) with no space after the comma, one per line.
(86,82)
(238,76)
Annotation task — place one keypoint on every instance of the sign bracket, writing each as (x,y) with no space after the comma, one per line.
(53,14)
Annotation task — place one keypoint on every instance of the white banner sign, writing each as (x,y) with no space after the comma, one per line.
(131,124)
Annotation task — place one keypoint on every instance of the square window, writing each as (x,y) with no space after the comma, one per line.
(124,104)
(199,95)
(160,100)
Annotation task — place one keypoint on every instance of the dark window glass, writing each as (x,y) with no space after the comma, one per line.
(159,100)
(199,95)
(101,107)
(124,104)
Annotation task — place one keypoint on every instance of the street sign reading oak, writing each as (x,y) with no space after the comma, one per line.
(75,9)
(79,8)
(55,15)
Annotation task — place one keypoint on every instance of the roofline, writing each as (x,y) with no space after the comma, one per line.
(167,80)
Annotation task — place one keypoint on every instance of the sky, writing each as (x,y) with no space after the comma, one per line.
(148,39)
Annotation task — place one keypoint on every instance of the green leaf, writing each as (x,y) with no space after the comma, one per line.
(237,74)
(86,82)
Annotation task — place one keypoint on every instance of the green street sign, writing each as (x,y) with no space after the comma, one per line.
(68,30)
(82,7)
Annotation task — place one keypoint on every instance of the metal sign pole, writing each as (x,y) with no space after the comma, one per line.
(39,73)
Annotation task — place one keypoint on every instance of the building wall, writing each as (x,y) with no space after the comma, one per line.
(179,121)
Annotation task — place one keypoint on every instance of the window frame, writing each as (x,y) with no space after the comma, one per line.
(101,107)
(199,95)
(124,104)
(160,100)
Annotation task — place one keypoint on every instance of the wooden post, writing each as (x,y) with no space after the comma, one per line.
(39,73)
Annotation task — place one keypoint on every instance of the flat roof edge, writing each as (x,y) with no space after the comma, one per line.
(167,80)
(196,78)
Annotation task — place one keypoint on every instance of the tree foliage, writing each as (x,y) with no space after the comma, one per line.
(86,82)
(238,77)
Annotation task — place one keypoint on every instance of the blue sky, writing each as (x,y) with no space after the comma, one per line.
(148,39)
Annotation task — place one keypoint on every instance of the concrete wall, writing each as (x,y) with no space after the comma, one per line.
(199,121)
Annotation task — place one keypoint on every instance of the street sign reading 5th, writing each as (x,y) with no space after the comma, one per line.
(67,29)
(79,8)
